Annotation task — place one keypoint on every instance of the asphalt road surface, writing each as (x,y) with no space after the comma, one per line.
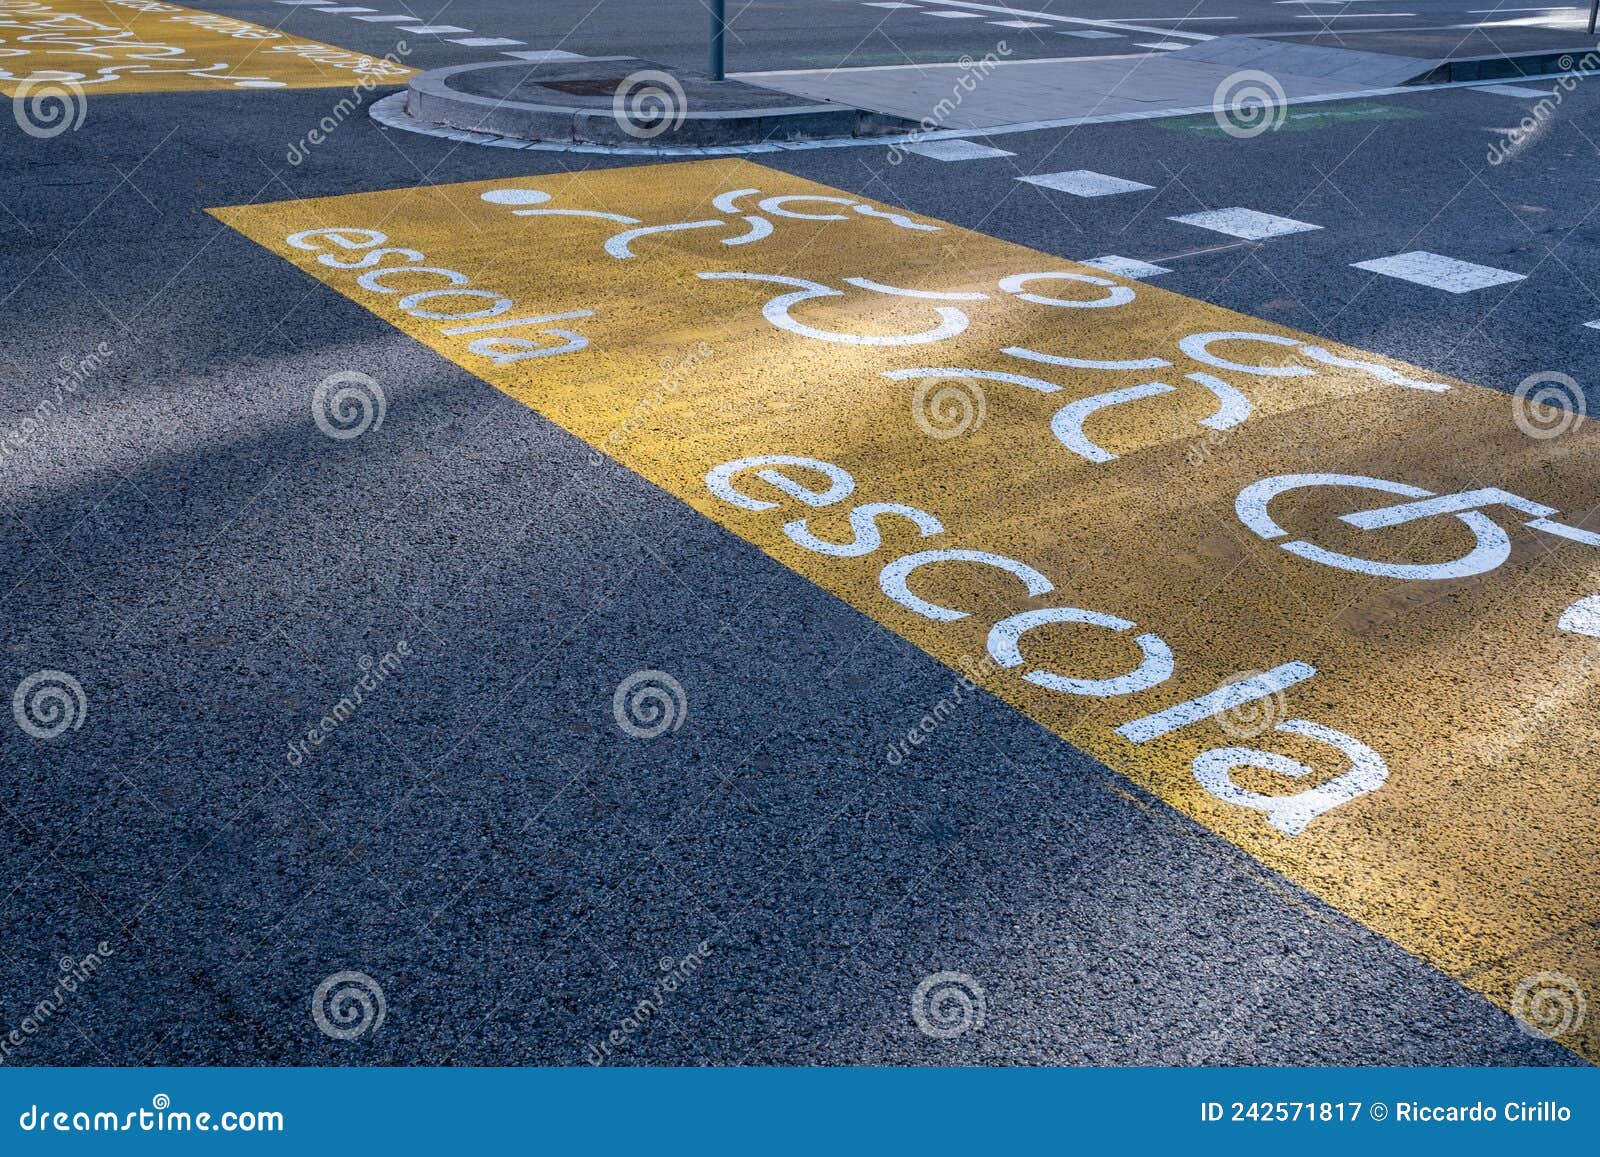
(526,863)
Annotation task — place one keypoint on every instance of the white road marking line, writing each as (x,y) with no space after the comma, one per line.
(1019,24)
(383,19)
(1085,183)
(1350,15)
(1249,224)
(346,9)
(1438,272)
(544,55)
(1516,90)
(1129,267)
(487,41)
(954,15)
(943,64)
(436,29)
(957,150)
(882,4)
(1582,617)
(1118,25)
(1169,45)
(1090,34)
(304,3)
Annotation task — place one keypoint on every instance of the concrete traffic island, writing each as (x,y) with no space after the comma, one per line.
(621,101)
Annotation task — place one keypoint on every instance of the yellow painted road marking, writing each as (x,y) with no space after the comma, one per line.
(116,46)
(1435,736)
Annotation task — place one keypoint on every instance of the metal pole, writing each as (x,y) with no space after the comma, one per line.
(719,30)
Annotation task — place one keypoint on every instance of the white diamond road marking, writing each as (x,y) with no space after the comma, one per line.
(1018,24)
(956,150)
(956,15)
(487,41)
(1515,90)
(1582,617)
(1092,34)
(1245,223)
(436,29)
(380,19)
(1084,183)
(540,55)
(1438,272)
(1129,267)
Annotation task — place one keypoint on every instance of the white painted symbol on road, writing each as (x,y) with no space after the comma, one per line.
(1492,546)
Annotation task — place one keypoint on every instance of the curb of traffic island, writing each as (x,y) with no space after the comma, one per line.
(623,102)
(1508,66)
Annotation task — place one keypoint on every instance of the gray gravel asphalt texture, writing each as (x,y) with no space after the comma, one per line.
(482,839)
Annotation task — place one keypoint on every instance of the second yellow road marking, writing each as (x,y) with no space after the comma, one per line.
(1307,595)
(117,46)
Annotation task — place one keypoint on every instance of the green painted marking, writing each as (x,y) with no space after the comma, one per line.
(1300,119)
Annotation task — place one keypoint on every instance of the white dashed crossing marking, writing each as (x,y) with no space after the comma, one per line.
(346,10)
(1582,618)
(388,19)
(1130,267)
(956,15)
(487,41)
(1515,90)
(1085,183)
(1438,272)
(1091,34)
(543,55)
(435,29)
(1018,24)
(1249,224)
(956,150)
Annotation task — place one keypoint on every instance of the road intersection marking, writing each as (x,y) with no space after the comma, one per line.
(1307,595)
(122,46)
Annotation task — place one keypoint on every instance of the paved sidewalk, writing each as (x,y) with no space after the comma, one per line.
(994,93)
(1033,90)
